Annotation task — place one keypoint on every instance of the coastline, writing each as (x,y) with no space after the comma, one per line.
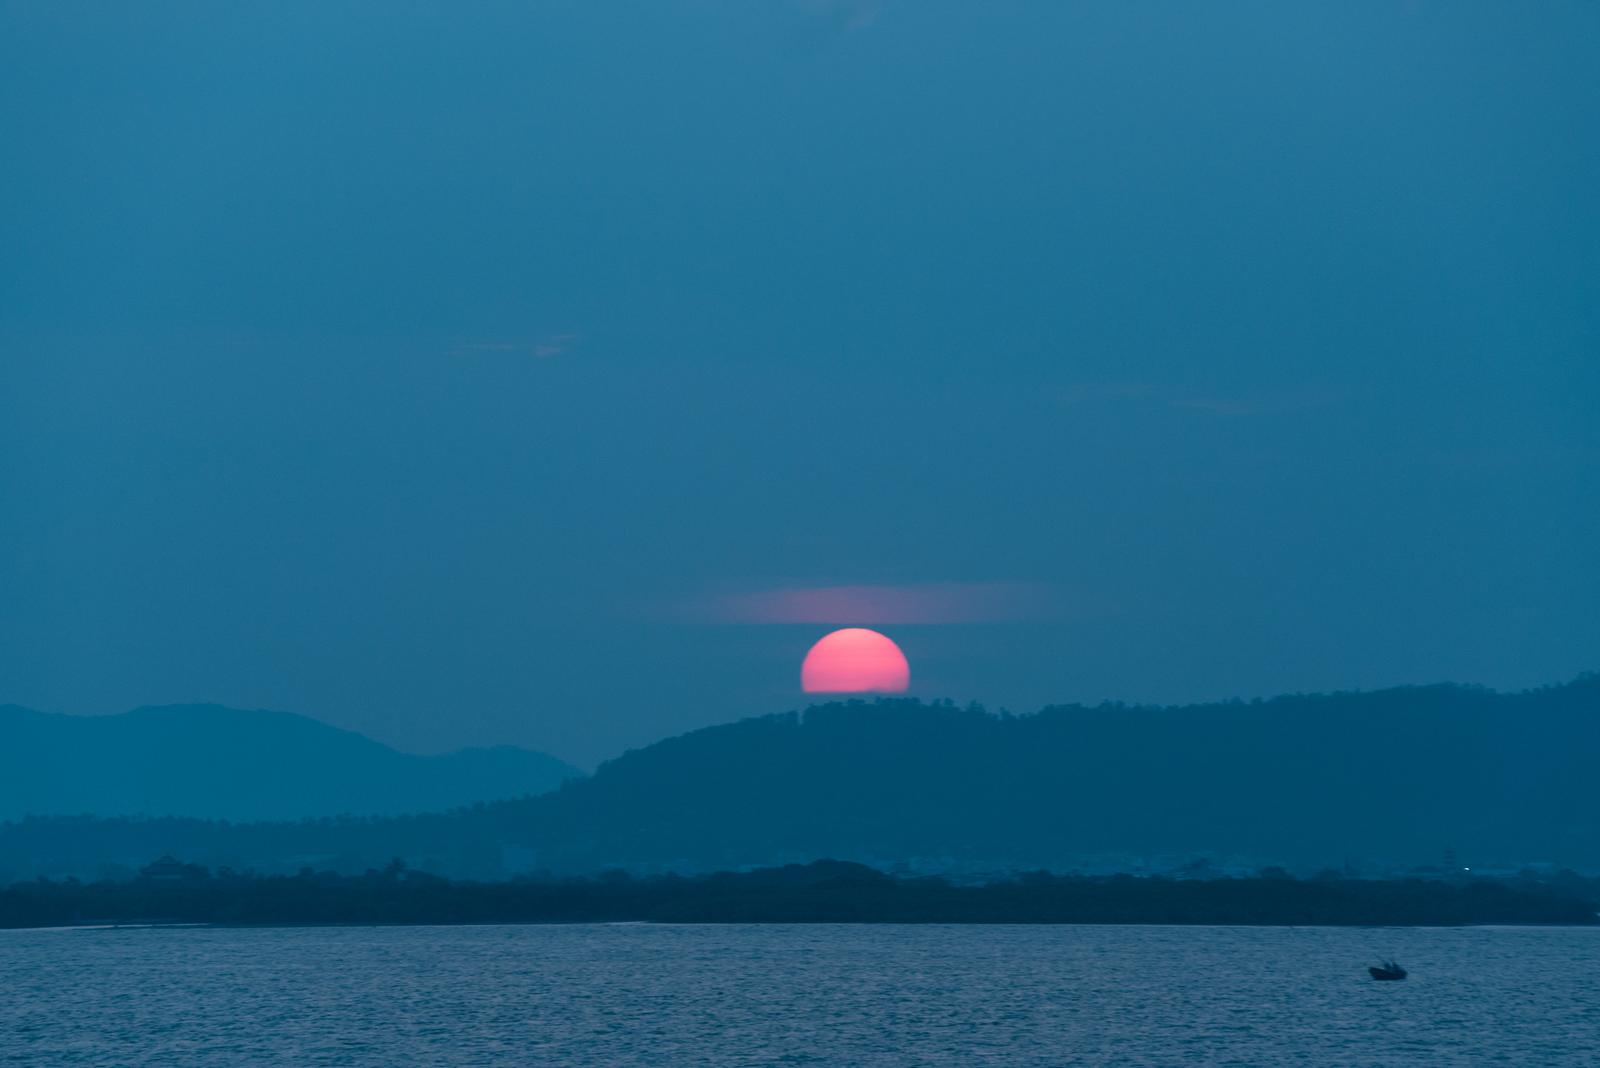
(823,892)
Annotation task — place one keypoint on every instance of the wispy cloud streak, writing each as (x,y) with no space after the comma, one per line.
(1156,395)
(935,602)
(543,348)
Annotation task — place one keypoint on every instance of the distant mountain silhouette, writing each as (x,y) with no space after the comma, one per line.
(225,763)
(1399,776)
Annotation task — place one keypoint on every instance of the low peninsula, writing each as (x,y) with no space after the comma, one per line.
(825,891)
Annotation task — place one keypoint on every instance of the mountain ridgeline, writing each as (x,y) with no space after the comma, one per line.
(1394,777)
(226,763)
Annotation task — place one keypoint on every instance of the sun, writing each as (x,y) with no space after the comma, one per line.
(855,660)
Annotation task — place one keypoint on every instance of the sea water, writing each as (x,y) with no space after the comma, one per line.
(638,994)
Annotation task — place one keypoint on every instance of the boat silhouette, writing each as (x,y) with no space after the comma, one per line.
(1388,971)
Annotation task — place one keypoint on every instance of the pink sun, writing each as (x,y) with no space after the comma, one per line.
(855,660)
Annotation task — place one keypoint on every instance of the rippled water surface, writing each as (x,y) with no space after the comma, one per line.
(857,995)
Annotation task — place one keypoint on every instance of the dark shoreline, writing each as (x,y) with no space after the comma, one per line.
(202,925)
(819,893)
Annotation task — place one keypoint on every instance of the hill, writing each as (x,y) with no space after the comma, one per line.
(1402,776)
(1387,779)
(224,763)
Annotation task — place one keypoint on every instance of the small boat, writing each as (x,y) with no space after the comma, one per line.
(1388,971)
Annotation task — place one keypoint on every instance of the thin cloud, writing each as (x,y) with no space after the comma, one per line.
(933,602)
(1241,403)
(542,348)
(844,16)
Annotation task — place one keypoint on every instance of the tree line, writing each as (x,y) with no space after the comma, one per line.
(820,892)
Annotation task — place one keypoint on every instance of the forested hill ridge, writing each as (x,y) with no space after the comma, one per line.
(227,763)
(1401,776)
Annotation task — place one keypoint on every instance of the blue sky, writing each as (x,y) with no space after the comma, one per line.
(448,371)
